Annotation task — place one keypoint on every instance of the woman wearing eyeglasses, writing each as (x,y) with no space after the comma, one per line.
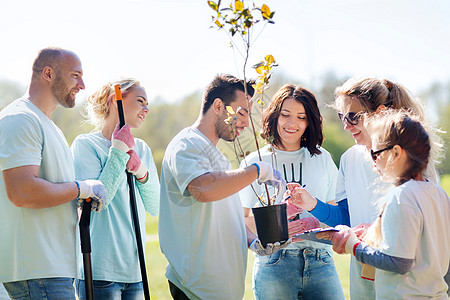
(409,243)
(358,183)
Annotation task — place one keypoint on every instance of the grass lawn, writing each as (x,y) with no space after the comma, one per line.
(156,266)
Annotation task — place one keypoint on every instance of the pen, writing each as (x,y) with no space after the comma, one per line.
(288,197)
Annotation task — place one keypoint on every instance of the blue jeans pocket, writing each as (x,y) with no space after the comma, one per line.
(325,257)
(100,284)
(269,259)
(17,289)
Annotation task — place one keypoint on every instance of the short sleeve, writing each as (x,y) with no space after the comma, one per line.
(21,140)
(401,225)
(188,162)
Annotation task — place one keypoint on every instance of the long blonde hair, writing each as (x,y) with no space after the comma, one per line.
(373,92)
(99,103)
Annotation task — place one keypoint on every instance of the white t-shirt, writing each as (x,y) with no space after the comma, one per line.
(205,243)
(416,225)
(318,173)
(360,183)
(35,243)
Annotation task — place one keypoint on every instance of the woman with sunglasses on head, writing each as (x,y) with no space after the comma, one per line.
(409,244)
(105,155)
(304,269)
(358,183)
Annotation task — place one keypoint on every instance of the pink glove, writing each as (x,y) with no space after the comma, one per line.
(135,167)
(361,230)
(300,196)
(122,138)
(291,210)
(344,241)
(302,225)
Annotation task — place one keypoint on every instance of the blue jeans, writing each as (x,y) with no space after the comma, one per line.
(111,290)
(296,274)
(42,288)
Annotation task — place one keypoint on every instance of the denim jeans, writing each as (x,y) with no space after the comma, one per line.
(296,274)
(112,290)
(42,288)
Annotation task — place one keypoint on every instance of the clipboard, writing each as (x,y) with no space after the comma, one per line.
(310,235)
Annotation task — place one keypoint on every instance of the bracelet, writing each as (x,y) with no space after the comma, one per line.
(256,167)
(78,187)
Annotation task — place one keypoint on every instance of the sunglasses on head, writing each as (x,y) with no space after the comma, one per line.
(352,117)
(374,154)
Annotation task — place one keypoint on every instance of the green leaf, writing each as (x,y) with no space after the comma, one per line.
(213,5)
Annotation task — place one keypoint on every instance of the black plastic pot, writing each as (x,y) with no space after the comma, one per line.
(271,223)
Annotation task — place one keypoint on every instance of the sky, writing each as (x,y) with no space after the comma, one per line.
(169,46)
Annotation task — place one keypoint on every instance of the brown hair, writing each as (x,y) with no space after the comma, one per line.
(312,138)
(398,127)
(224,87)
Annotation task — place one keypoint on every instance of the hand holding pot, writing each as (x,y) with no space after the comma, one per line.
(300,197)
(270,248)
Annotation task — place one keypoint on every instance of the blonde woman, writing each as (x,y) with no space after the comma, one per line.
(105,155)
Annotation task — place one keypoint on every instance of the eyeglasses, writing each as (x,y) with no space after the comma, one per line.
(374,154)
(352,117)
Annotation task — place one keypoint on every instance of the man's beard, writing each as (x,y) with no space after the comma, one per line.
(62,93)
(225,131)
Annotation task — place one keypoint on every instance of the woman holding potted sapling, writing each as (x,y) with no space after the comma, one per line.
(305,269)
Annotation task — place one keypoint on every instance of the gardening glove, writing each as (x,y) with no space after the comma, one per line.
(292,211)
(122,138)
(300,197)
(93,189)
(270,176)
(302,225)
(344,241)
(136,167)
(270,248)
(361,230)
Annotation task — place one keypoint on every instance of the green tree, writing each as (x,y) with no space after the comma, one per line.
(9,91)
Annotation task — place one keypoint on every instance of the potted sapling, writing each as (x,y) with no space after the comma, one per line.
(239,22)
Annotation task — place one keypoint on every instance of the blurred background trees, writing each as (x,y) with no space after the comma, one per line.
(166,119)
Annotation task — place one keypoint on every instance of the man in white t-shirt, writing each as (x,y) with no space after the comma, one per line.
(202,231)
(37,184)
